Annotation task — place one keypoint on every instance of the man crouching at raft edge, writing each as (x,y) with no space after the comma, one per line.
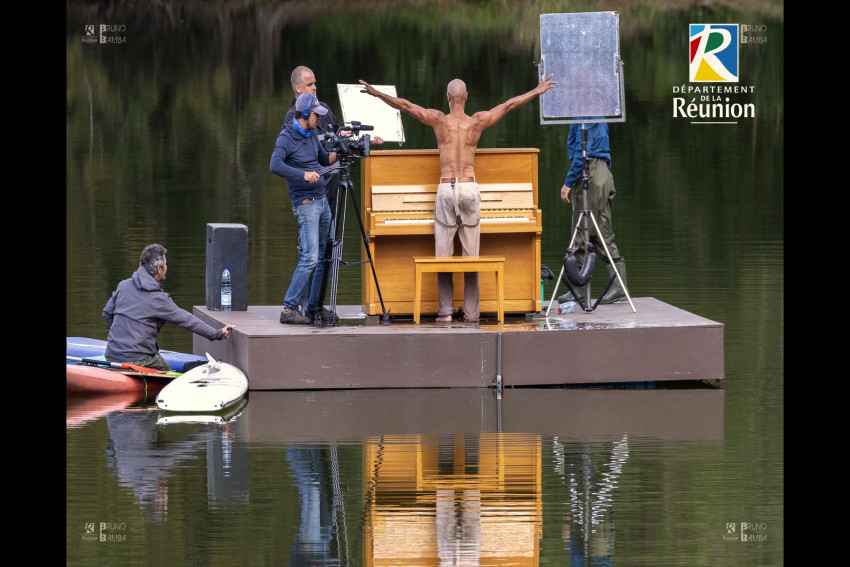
(458,204)
(139,308)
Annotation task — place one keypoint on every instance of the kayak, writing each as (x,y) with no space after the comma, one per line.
(84,347)
(84,378)
(211,387)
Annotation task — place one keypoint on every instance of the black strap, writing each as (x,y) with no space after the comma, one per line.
(458,220)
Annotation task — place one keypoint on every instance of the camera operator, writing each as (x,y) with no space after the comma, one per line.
(303,81)
(298,156)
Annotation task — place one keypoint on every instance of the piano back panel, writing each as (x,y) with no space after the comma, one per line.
(402,184)
(398,167)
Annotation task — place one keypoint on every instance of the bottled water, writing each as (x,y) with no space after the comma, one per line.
(567,307)
(226,290)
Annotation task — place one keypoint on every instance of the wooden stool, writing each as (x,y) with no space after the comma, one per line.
(432,264)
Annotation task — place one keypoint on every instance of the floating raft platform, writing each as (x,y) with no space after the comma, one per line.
(611,344)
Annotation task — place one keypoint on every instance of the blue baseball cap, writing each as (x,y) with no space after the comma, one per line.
(302,101)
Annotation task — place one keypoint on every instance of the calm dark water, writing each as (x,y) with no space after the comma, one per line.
(170,126)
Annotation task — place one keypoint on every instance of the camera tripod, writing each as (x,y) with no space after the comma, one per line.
(335,241)
(582,277)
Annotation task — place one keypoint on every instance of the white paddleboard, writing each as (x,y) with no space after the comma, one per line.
(211,387)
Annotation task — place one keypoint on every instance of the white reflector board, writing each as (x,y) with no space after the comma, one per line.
(371,111)
(582,50)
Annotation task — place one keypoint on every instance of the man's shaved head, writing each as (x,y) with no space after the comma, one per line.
(456,89)
(299,74)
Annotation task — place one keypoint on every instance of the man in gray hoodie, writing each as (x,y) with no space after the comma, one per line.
(139,308)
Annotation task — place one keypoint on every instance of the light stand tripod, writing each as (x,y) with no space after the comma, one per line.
(582,277)
(334,249)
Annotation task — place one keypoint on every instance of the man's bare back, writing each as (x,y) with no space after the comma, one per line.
(458,133)
(457,139)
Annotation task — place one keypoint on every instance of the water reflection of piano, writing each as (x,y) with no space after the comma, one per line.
(453,499)
(398,190)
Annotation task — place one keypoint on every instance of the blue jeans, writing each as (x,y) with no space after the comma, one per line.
(314,226)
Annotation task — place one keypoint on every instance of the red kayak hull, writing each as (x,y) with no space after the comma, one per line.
(93,379)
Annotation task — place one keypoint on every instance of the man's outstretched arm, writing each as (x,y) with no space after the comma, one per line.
(427,116)
(490,117)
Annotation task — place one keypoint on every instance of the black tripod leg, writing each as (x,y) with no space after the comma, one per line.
(604,291)
(386,317)
(336,251)
(573,291)
(334,254)
(331,264)
(328,265)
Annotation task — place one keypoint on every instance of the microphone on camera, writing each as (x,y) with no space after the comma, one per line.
(358,126)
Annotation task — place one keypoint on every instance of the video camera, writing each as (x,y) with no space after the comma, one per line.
(351,146)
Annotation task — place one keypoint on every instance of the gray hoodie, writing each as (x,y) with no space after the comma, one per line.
(137,311)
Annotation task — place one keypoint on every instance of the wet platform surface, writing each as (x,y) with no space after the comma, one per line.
(612,344)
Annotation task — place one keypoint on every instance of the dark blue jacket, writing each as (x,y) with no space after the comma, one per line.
(293,155)
(136,312)
(597,146)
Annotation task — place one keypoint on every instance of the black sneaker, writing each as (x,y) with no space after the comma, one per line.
(294,317)
(324,315)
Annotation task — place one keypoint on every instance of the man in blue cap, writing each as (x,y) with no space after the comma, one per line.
(298,157)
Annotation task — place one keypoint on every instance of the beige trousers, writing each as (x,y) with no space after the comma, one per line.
(462,201)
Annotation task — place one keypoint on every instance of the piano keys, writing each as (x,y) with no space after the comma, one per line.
(398,189)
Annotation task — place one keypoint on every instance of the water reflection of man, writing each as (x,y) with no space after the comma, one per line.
(140,460)
(143,456)
(591,501)
(458,204)
(312,545)
(458,532)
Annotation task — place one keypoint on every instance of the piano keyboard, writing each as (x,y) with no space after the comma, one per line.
(486,220)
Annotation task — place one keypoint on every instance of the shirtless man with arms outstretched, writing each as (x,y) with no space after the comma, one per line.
(458,202)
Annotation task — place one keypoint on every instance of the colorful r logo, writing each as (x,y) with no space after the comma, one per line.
(714,53)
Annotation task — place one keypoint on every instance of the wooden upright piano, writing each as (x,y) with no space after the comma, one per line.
(398,189)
